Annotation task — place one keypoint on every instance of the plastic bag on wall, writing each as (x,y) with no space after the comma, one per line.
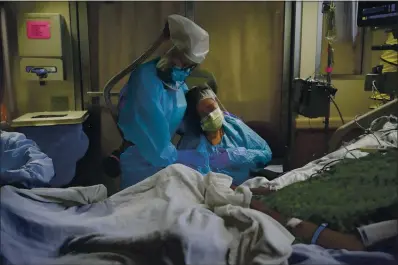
(64,144)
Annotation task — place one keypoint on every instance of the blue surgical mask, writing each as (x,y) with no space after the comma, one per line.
(179,75)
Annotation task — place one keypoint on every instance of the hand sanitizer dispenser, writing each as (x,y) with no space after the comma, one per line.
(40,47)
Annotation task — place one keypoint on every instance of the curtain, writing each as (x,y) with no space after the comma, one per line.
(119,32)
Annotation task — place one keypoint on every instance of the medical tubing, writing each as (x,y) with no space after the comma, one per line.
(326,165)
(115,79)
(338,110)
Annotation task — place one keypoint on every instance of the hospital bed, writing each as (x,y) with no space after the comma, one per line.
(101,222)
(341,143)
(349,132)
(343,132)
(378,133)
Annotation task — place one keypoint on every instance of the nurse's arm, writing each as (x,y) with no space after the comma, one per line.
(151,128)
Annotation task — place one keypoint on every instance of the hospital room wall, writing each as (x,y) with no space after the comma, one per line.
(246,50)
(29,95)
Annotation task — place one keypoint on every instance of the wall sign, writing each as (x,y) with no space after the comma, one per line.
(38,29)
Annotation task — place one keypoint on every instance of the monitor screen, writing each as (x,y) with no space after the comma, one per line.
(377,14)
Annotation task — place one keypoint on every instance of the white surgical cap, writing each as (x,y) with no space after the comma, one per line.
(189,38)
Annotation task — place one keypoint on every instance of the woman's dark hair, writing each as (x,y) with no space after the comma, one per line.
(192,118)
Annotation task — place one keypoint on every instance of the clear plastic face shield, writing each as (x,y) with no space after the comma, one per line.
(174,67)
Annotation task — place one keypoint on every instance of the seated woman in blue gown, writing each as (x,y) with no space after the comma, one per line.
(218,141)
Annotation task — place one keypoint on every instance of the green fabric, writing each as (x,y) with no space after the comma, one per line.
(352,193)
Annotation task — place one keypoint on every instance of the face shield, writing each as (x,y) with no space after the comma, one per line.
(209,111)
(174,66)
(204,103)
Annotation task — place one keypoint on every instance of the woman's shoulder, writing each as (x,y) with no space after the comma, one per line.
(229,114)
(235,127)
(233,120)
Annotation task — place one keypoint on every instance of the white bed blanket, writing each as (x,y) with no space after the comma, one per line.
(213,221)
(204,211)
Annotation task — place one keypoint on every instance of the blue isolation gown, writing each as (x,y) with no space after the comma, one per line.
(22,162)
(240,150)
(149,116)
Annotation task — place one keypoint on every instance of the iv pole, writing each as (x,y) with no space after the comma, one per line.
(328,9)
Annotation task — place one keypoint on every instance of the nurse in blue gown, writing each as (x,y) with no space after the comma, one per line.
(152,104)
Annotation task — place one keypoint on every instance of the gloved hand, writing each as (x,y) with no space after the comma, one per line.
(190,158)
(220,160)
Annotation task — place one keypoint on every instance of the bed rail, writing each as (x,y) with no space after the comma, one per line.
(364,120)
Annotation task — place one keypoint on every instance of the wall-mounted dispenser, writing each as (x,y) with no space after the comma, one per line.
(40,47)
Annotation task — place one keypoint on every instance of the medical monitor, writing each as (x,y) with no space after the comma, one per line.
(377,14)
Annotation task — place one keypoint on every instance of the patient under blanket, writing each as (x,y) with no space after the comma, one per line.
(81,226)
(352,193)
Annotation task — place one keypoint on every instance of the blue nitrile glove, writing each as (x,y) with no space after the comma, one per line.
(191,158)
(220,160)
